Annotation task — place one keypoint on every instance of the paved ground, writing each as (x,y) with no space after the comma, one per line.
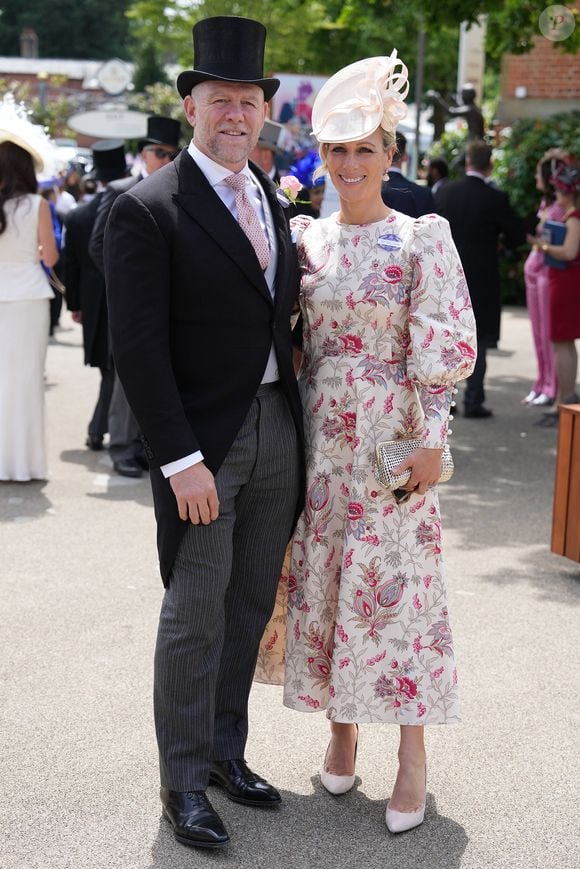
(79,597)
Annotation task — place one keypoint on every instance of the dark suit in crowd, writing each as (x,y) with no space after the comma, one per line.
(402,194)
(405,196)
(125,447)
(85,292)
(479,215)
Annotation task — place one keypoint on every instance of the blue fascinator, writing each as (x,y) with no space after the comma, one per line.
(304,169)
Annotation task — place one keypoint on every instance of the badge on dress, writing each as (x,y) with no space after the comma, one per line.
(390,241)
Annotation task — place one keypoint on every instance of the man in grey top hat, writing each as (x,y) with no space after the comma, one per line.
(201,280)
(264,154)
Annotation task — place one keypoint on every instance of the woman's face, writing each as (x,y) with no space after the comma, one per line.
(357,168)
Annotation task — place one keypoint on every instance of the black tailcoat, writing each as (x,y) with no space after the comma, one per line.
(113,189)
(192,322)
(85,285)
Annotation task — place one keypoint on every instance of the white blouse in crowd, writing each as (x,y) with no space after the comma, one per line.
(21,274)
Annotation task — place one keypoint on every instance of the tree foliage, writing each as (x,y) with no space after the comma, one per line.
(149,69)
(92,29)
(529,139)
(161,99)
(513,27)
(319,36)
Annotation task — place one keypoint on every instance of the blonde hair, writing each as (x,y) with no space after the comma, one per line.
(388,141)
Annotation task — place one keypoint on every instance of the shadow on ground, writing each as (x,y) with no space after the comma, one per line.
(24,502)
(502,492)
(346,832)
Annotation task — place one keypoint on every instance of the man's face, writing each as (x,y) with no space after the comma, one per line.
(227,119)
(263,157)
(156,156)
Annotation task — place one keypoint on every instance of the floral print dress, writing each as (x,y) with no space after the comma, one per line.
(388,331)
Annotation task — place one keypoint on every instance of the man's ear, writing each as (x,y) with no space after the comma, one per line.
(189,109)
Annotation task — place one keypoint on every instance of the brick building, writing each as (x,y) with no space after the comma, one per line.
(540,83)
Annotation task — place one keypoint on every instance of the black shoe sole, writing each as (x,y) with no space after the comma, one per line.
(255,804)
(193,843)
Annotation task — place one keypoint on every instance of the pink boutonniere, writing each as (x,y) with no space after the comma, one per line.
(288,190)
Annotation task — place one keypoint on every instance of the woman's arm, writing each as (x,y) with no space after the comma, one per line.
(569,250)
(46,239)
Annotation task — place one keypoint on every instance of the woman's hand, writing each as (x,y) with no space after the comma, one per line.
(425,469)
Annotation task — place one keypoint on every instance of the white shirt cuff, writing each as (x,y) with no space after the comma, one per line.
(181,464)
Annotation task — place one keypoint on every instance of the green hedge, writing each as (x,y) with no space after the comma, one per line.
(516,159)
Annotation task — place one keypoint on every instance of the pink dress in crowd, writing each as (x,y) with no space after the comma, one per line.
(537,282)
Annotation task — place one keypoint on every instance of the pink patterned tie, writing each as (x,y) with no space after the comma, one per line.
(248,219)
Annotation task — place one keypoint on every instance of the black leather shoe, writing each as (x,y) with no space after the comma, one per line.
(242,785)
(94,442)
(479,412)
(194,820)
(128,468)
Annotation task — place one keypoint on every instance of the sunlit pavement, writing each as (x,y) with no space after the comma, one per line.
(80,594)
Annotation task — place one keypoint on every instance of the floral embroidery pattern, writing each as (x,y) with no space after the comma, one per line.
(388,331)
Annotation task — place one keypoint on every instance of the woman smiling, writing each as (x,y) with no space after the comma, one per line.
(388,331)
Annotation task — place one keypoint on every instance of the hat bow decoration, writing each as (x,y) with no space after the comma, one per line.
(360,98)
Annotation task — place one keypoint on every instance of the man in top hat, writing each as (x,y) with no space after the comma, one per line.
(159,147)
(263,155)
(201,281)
(85,285)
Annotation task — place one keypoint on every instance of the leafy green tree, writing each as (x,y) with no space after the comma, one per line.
(161,99)
(513,26)
(290,24)
(518,156)
(67,28)
(148,68)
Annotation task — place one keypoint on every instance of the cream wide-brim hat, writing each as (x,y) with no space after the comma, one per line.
(360,98)
(16,139)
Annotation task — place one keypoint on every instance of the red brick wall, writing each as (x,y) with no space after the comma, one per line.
(546,72)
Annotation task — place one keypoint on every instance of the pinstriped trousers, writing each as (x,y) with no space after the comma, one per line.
(221,593)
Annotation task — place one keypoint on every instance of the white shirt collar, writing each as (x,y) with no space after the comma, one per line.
(214,172)
(473,174)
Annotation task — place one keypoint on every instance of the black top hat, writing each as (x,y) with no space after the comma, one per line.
(109,160)
(269,136)
(227,48)
(161,131)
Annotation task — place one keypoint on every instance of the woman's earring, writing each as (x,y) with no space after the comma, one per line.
(386,175)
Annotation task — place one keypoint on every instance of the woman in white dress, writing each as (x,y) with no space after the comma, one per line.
(25,231)
(388,331)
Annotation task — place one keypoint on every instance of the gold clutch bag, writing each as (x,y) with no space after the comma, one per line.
(390,454)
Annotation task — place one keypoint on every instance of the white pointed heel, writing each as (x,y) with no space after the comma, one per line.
(338,784)
(400,822)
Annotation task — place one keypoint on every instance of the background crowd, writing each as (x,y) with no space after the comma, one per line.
(484,226)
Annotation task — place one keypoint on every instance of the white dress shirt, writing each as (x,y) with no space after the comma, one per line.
(216,175)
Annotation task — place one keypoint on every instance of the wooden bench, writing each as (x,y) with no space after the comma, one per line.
(566,515)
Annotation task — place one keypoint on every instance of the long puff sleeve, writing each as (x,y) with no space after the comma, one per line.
(442,344)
